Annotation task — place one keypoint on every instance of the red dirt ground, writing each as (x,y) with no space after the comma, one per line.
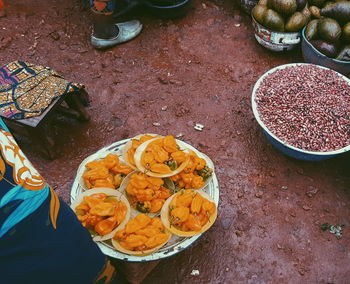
(203,68)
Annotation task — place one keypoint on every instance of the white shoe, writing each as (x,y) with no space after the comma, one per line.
(127,31)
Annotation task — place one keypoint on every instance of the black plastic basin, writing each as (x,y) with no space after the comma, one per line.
(177,9)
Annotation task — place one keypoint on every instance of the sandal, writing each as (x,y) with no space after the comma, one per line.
(127,31)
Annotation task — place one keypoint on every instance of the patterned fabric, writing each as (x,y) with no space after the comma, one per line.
(41,240)
(105,7)
(26,90)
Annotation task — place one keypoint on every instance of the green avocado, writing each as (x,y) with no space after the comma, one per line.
(339,11)
(295,22)
(284,7)
(311,30)
(328,49)
(344,54)
(273,21)
(346,32)
(315,12)
(259,12)
(306,12)
(329,30)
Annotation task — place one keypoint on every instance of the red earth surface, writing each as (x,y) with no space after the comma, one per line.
(203,68)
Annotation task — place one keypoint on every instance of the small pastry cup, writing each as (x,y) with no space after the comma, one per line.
(122,189)
(209,163)
(140,167)
(128,145)
(82,169)
(120,248)
(164,214)
(108,192)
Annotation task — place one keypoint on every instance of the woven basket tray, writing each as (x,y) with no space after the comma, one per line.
(176,244)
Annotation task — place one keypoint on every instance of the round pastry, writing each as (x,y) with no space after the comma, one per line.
(197,173)
(189,212)
(141,236)
(132,145)
(107,172)
(145,193)
(161,157)
(102,211)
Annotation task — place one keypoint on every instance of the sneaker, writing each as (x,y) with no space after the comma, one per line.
(127,31)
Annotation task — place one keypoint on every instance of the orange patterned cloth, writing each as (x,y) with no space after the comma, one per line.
(41,240)
(26,89)
(105,7)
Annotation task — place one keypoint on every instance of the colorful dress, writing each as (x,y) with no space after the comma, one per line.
(41,240)
(105,7)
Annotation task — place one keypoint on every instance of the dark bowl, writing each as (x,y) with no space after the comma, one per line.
(176,9)
(312,55)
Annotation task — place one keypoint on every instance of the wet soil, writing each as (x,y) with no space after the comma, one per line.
(202,67)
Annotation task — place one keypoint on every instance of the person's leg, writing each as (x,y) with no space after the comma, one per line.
(2,9)
(106,33)
(103,24)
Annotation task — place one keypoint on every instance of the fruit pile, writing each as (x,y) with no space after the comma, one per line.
(282,15)
(329,31)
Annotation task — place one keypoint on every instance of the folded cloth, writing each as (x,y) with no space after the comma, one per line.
(26,90)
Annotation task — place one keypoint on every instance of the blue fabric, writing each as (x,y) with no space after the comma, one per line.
(31,200)
(3,125)
(41,240)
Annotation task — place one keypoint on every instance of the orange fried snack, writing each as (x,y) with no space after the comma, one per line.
(163,156)
(189,211)
(108,172)
(142,233)
(135,144)
(101,213)
(194,175)
(146,193)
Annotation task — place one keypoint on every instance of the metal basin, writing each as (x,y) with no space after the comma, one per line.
(177,9)
(312,55)
(284,147)
(275,41)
